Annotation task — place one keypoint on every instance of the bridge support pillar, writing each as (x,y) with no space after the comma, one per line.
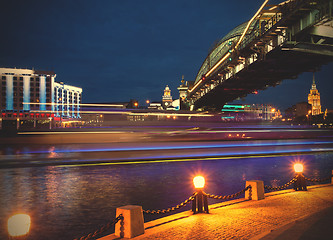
(257,191)
(132,225)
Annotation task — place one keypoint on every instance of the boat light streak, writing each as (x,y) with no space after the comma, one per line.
(256,154)
(134,113)
(205,146)
(75,104)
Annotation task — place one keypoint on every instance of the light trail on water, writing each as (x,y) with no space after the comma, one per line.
(195,146)
(198,157)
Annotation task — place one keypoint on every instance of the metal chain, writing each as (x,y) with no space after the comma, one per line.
(281,187)
(318,179)
(191,198)
(172,208)
(102,229)
(228,196)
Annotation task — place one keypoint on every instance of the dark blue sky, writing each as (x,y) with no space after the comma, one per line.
(121,50)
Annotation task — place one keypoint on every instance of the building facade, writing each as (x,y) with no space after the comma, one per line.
(66,101)
(27,94)
(314,99)
(20,88)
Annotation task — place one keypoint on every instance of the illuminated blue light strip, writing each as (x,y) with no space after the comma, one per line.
(26,92)
(9,93)
(52,93)
(42,93)
(233,110)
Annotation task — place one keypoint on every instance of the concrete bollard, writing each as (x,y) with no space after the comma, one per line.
(132,225)
(257,191)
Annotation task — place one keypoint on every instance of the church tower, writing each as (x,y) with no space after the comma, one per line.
(167,98)
(314,98)
(183,90)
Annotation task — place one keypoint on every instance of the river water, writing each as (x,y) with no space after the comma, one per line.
(65,202)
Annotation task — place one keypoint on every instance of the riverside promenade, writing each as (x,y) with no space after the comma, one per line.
(286,214)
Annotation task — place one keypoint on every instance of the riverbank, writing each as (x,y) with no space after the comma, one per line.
(284,214)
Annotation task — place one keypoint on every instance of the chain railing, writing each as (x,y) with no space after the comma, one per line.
(192,198)
(294,180)
(228,197)
(183,204)
(200,196)
(318,179)
(281,187)
(102,229)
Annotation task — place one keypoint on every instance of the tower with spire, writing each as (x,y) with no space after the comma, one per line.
(183,90)
(167,98)
(314,98)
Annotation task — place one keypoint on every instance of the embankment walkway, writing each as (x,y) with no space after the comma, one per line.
(284,215)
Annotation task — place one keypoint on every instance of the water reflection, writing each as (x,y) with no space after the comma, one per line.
(70,202)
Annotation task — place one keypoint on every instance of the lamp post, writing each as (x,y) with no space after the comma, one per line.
(300,183)
(197,204)
(18,226)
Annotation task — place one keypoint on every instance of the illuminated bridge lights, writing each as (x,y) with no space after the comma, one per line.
(241,45)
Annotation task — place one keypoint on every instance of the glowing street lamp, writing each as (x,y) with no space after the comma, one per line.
(199,184)
(18,225)
(300,183)
(298,167)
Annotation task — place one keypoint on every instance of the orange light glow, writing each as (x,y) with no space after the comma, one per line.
(19,225)
(249,23)
(298,167)
(195,86)
(199,182)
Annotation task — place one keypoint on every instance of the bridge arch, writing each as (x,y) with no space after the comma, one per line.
(277,43)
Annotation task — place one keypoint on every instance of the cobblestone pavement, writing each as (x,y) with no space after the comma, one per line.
(243,219)
(317,226)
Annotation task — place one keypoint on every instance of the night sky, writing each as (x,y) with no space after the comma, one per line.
(122,50)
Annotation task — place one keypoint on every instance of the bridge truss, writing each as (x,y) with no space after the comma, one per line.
(278,43)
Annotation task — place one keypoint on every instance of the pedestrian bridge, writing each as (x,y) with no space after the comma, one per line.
(278,42)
